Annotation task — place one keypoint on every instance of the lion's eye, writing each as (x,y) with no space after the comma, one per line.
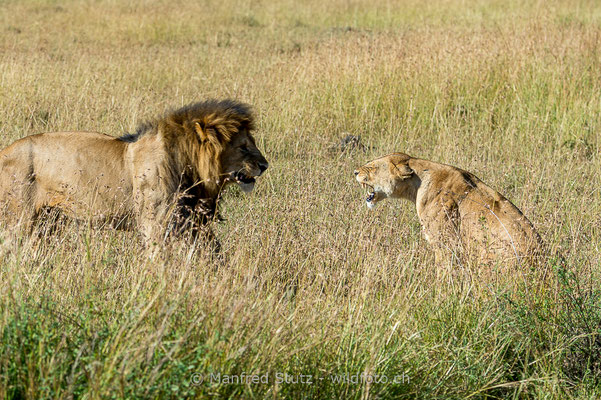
(244,149)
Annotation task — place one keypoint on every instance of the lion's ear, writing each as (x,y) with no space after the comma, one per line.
(202,134)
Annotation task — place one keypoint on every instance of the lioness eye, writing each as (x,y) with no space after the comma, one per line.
(244,149)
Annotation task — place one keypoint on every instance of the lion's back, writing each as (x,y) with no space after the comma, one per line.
(49,168)
(16,170)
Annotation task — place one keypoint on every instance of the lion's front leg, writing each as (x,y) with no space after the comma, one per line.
(149,230)
(194,228)
(204,236)
(151,217)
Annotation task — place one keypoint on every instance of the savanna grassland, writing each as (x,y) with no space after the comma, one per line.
(314,284)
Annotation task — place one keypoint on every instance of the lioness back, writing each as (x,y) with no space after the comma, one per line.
(492,223)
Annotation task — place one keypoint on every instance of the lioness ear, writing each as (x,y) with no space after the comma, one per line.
(201,133)
(400,169)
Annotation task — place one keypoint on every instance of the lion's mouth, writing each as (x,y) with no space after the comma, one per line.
(241,177)
(244,181)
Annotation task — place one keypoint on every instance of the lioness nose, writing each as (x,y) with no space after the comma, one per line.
(263,167)
(356,172)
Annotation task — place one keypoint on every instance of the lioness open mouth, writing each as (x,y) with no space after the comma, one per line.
(371,193)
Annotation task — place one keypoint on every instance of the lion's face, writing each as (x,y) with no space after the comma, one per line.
(384,177)
(242,161)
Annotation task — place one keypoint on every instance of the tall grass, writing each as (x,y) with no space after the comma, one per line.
(314,284)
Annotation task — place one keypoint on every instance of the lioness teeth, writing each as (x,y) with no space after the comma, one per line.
(370,196)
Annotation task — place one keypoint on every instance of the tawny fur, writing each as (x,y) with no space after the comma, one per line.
(165,178)
(460,215)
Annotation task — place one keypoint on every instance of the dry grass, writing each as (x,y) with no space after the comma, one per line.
(314,284)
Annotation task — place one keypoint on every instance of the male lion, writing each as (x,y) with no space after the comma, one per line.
(457,211)
(166,177)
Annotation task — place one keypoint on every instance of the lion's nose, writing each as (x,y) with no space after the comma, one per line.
(356,172)
(263,167)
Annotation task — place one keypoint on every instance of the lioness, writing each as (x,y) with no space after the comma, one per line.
(167,176)
(457,211)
